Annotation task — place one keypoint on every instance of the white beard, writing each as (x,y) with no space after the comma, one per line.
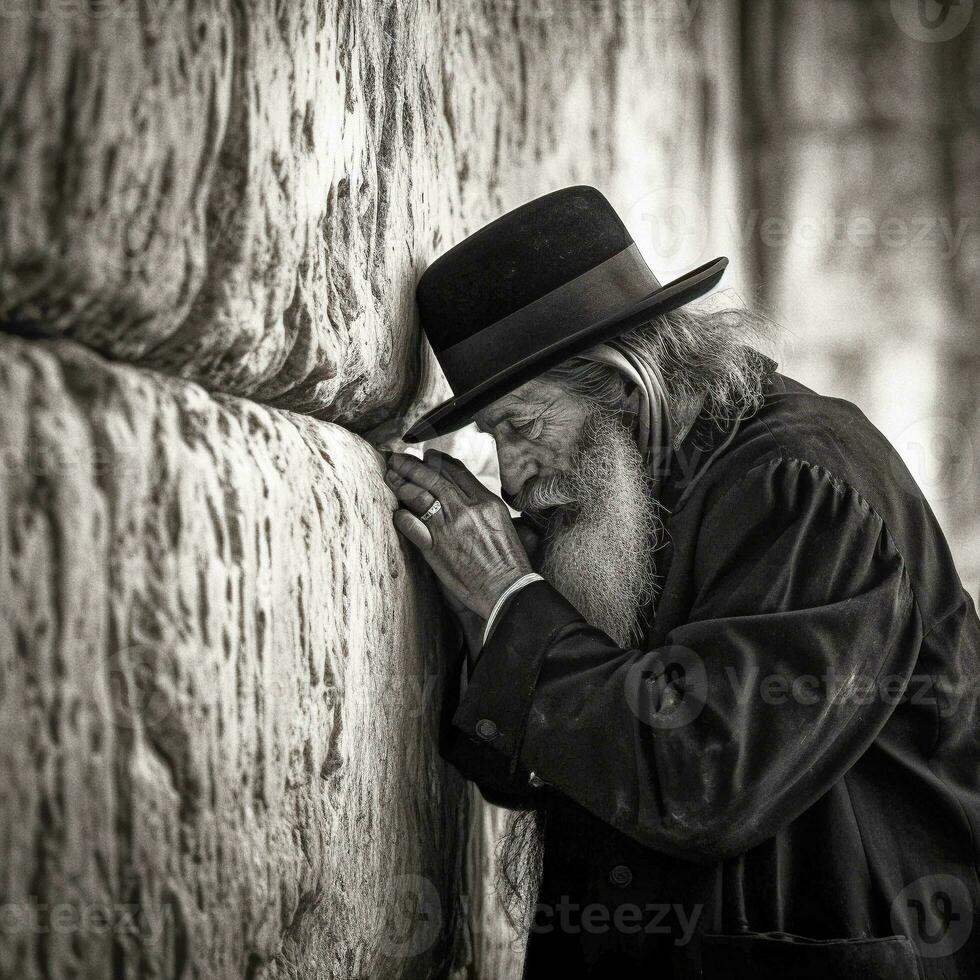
(599,547)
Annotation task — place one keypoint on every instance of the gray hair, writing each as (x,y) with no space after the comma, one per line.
(705,359)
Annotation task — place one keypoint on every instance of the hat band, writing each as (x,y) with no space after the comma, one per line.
(620,281)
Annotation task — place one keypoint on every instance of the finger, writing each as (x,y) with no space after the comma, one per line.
(456,470)
(422,475)
(415,498)
(418,498)
(413,529)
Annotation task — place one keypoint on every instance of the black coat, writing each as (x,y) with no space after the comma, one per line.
(793,751)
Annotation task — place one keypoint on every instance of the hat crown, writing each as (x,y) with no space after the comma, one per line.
(516,259)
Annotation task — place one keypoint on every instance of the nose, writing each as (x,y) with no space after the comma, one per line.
(516,465)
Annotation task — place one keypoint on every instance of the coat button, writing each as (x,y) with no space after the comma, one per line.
(485,728)
(620,876)
(535,780)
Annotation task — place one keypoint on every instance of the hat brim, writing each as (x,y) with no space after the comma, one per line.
(458,411)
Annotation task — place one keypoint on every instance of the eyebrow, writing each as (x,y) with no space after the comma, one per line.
(517,411)
(493,419)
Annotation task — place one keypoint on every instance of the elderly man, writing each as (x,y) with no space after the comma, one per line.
(724,657)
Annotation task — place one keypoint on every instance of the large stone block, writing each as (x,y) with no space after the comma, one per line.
(245,195)
(111,119)
(220,674)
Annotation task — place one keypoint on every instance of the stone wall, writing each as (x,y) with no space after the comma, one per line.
(219,673)
(221,669)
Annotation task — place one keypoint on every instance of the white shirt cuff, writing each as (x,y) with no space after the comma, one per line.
(504,596)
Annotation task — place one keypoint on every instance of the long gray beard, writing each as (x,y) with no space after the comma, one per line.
(599,547)
(599,552)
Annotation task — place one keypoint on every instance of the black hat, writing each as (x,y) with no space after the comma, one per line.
(549,279)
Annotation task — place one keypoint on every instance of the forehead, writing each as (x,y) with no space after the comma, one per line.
(530,399)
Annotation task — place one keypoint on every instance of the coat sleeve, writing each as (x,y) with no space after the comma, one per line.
(477,760)
(500,781)
(801,637)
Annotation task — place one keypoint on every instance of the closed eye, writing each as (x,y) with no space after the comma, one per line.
(528,427)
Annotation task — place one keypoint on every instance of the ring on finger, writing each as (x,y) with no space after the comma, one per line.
(432,511)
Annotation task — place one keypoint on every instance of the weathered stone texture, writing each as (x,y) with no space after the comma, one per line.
(110,127)
(336,149)
(219,680)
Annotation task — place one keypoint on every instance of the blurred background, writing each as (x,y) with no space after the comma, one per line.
(859,167)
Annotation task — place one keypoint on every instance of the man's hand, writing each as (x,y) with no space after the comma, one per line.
(471,543)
